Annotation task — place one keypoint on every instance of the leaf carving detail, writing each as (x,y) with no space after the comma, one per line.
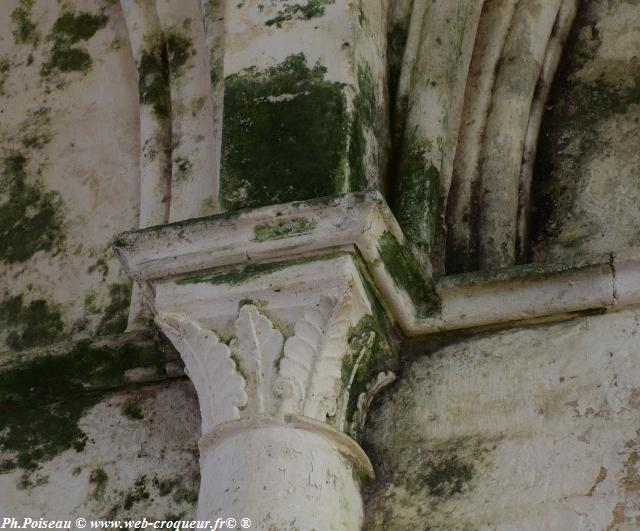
(310,370)
(258,345)
(209,364)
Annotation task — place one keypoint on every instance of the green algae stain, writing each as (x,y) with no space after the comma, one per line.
(30,216)
(445,478)
(116,314)
(30,325)
(241,274)
(137,493)
(274,230)
(179,49)
(43,400)
(370,339)
(183,168)
(419,201)
(5,67)
(71,28)
(24,29)
(284,135)
(99,479)
(132,410)
(299,11)
(163,53)
(367,116)
(406,274)
(69,60)
(153,77)
(68,30)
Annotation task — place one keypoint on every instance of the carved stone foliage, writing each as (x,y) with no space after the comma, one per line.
(328,370)
(208,362)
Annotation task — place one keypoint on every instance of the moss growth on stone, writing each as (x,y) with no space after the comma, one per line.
(241,274)
(153,77)
(274,230)
(369,338)
(30,325)
(165,486)
(101,265)
(446,477)
(185,494)
(71,28)
(30,217)
(24,29)
(5,67)
(132,410)
(419,204)
(403,268)
(367,117)
(43,400)
(116,314)
(182,168)
(69,60)
(299,11)
(68,30)
(179,49)
(284,135)
(26,482)
(99,479)
(196,106)
(35,129)
(137,493)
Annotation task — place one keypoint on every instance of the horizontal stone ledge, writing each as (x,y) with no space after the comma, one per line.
(99,364)
(363,225)
(533,291)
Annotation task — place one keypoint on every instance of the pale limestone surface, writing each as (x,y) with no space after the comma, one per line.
(144,441)
(86,126)
(530,428)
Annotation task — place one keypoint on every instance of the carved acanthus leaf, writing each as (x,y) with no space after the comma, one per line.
(258,346)
(364,401)
(310,370)
(343,401)
(209,364)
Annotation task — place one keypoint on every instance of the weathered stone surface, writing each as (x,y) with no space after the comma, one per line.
(68,149)
(586,174)
(530,428)
(139,458)
(111,118)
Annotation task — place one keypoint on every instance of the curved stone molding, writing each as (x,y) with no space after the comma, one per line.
(473,83)
(487,212)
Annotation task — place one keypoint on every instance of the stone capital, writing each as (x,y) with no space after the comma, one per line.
(277,315)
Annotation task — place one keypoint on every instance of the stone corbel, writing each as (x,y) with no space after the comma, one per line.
(278,320)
